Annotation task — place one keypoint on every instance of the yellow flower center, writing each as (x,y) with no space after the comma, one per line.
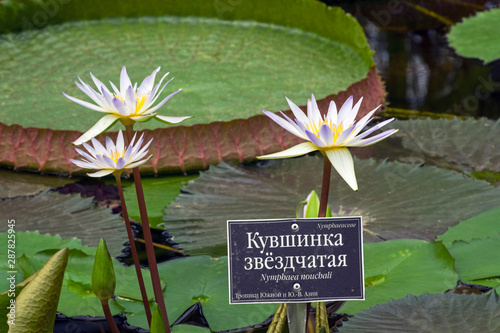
(140,103)
(115,155)
(315,127)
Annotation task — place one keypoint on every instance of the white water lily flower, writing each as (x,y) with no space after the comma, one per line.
(127,104)
(331,134)
(115,157)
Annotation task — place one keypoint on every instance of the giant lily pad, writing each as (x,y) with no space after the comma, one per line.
(396,268)
(67,216)
(477,36)
(436,313)
(396,200)
(228,69)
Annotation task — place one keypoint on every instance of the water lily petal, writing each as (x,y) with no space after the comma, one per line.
(290,127)
(370,131)
(100,86)
(344,136)
(85,104)
(148,83)
(344,111)
(297,112)
(298,150)
(120,107)
(101,173)
(314,139)
(102,125)
(373,139)
(136,164)
(313,110)
(130,101)
(143,119)
(115,88)
(84,165)
(341,160)
(332,112)
(159,105)
(124,81)
(349,118)
(120,163)
(326,135)
(120,143)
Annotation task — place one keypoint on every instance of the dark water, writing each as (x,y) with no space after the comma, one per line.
(421,71)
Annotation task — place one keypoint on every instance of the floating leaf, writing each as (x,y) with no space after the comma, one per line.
(228,69)
(174,149)
(157,191)
(445,138)
(189,329)
(396,200)
(477,36)
(15,184)
(66,215)
(477,227)
(437,313)
(185,286)
(477,259)
(396,268)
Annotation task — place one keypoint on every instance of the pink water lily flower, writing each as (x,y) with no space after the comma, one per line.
(127,104)
(331,134)
(113,158)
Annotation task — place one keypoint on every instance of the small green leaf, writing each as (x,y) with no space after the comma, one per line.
(36,304)
(103,274)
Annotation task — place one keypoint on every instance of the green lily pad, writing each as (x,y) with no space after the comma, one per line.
(228,69)
(186,286)
(436,313)
(77,297)
(157,191)
(477,259)
(396,268)
(477,36)
(469,143)
(189,329)
(396,200)
(67,216)
(477,227)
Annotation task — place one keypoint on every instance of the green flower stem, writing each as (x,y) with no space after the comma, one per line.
(133,249)
(109,317)
(153,268)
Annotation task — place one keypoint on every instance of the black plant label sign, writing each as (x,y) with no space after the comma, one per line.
(295,260)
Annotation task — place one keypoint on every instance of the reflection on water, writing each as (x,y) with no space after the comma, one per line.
(421,71)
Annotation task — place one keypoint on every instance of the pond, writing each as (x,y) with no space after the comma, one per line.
(428,195)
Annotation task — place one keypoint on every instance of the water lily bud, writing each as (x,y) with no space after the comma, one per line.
(157,325)
(103,273)
(309,208)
